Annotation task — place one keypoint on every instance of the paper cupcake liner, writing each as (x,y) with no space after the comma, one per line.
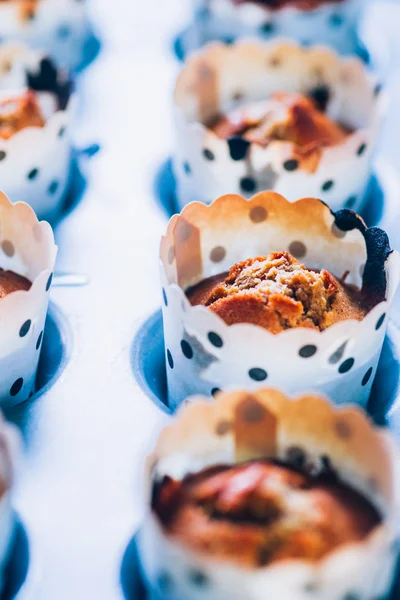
(35,163)
(333,24)
(204,354)
(26,247)
(207,166)
(266,424)
(59,27)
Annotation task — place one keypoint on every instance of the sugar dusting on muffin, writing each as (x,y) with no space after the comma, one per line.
(278,292)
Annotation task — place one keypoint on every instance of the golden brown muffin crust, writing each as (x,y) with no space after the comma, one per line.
(12,282)
(19,112)
(260,512)
(277,292)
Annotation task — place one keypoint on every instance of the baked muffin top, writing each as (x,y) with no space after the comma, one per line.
(19,112)
(12,282)
(278,292)
(260,512)
(287,117)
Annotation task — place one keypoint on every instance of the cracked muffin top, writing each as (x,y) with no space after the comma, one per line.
(278,292)
(259,512)
(12,282)
(282,117)
(19,112)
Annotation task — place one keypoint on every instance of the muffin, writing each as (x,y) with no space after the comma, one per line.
(260,495)
(265,290)
(59,27)
(253,116)
(330,22)
(276,512)
(19,112)
(36,106)
(27,257)
(277,292)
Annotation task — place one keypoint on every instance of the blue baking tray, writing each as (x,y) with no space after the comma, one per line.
(101,384)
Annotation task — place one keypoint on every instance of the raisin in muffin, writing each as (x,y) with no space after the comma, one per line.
(19,112)
(278,292)
(260,512)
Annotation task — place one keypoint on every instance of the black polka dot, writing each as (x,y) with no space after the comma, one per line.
(321,95)
(25,328)
(49,281)
(215,391)
(215,339)
(238,147)
(336,20)
(328,185)
(39,340)
(2,155)
(248,184)
(33,174)
(378,88)
(229,40)
(187,168)
(350,202)
(352,596)
(164,294)
(53,187)
(346,366)
(198,578)
(380,321)
(267,28)
(62,131)
(291,165)
(296,457)
(361,149)
(170,359)
(16,387)
(367,377)
(187,349)
(258,374)
(307,351)
(208,154)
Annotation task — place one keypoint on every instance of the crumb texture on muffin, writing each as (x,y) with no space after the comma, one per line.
(278,292)
(19,112)
(260,512)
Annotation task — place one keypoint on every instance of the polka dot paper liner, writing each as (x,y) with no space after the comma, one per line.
(204,354)
(58,27)
(307,432)
(332,23)
(210,84)
(35,163)
(26,247)
(10,446)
